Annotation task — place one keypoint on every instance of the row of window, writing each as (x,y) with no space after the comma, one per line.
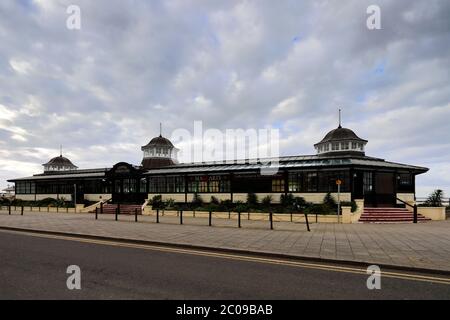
(312,181)
(336,146)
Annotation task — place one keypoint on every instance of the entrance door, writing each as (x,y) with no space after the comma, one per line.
(384,189)
(379,189)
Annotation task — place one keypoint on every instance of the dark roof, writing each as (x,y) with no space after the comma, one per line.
(150,163)
(339,134)
(292,162)
(159,141)
(60,161)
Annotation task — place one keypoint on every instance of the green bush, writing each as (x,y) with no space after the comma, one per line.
(240,206)
(329,201)
(287,200)
(266,202)
(320,208)
(214,200)
(350,204)
(197,201)
(252,200)
(157,202)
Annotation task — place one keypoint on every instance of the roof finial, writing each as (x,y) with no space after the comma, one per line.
(60,150)
(340,118)
(160,129)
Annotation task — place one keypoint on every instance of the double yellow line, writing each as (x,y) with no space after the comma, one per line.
(241,257)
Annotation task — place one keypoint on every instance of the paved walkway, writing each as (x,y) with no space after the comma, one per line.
(423,245)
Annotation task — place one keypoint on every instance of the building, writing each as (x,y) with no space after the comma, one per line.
(339,155)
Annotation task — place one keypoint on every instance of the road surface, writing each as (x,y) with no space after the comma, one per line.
(34,266)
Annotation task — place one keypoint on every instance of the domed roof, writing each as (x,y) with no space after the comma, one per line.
(339,134)
(60,161)
(159,141)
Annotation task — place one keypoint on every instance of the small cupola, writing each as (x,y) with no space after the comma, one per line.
(59,163)
(341,141)
(159,152)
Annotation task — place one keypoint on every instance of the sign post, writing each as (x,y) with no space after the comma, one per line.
(339,182)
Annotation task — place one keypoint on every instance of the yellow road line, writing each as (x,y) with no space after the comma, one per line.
(240,257)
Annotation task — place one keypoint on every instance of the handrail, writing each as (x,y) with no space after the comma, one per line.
(414,209)
(404,202)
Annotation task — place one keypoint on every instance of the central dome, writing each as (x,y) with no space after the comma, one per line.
(159,152)
(59,164)
(341,141)
(341,134)
(161,141)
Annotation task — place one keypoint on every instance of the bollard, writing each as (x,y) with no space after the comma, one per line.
(101,207)
(157,215)
(307,222)
(135,215)
(117,213)
(229,214)
(96,213)
(210,216)
(21,211)
(9,210)
(239,219)
(181,216)
(415,214)
(291,217)
(271,220)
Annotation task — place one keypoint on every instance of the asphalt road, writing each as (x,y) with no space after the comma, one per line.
(34,267)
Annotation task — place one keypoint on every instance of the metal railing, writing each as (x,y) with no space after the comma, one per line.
(412,206)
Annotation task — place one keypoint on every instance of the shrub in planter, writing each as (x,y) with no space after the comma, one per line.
(350,204)
(329,201)
(318,209)
(157,202)
(266,202)
(197,201)
(252,200)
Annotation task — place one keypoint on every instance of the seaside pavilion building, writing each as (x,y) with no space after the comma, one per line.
(340,155)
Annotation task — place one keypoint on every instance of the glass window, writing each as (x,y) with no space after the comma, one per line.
(175,184)
(344,145)
(311,181)
(368,182)
(277,185)
(157,184)
(335,146)
(294,182)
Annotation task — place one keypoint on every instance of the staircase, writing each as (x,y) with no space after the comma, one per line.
(389,215)
(109,208)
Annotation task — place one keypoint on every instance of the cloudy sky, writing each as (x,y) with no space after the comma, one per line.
(101,91)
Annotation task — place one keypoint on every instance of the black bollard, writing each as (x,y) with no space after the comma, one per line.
(157,215)
(135,215)
(271,220)
(210,217)
(239,219)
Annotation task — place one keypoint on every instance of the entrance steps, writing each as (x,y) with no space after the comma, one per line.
(109,208)
(389,215)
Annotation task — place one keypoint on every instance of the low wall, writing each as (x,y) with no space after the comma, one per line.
(206,197)
(434,213)
(97,197)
